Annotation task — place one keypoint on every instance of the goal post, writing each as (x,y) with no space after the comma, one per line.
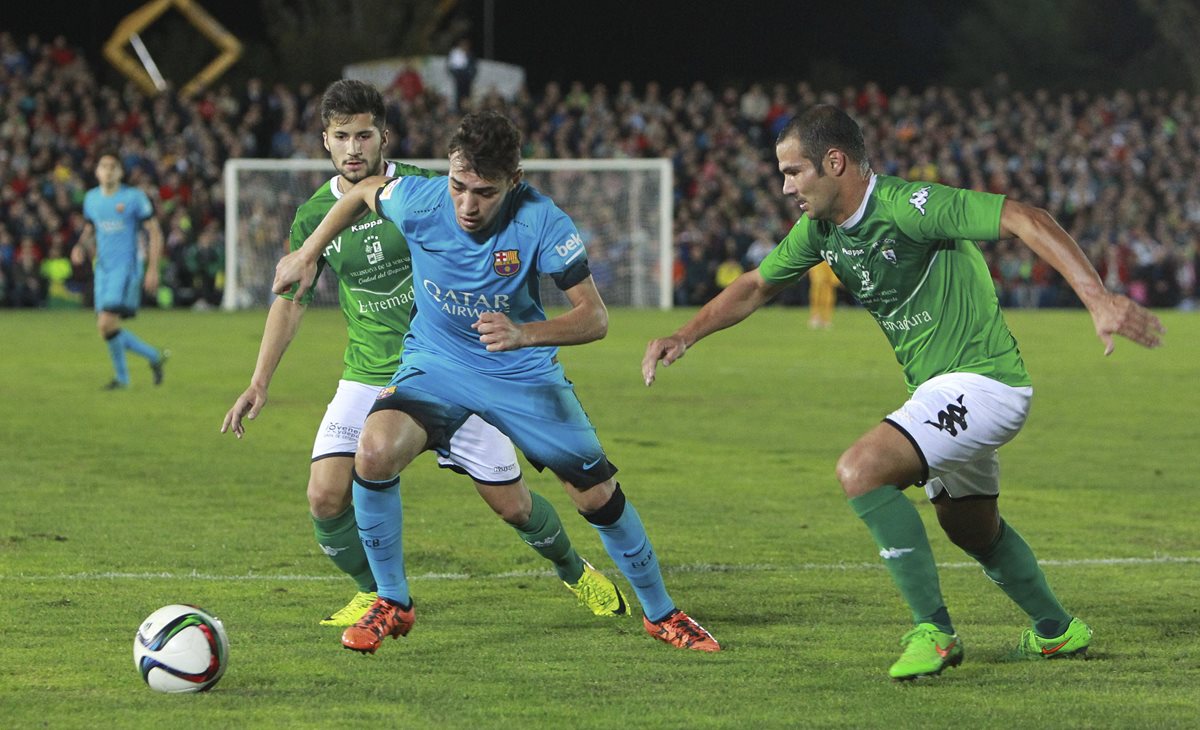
(623,208)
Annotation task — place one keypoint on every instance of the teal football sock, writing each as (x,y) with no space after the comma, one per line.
(378,512)
(116,353)
(131,342)
(624,538)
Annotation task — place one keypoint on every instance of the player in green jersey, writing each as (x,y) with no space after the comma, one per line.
(374,272)
(906,250)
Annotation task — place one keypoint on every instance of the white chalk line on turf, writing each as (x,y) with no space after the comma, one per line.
(688,568)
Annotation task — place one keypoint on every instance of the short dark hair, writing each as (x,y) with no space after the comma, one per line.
(823,127)
(490,143)
(110,152)
(346,98)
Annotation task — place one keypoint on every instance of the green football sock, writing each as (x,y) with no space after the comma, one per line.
(338,538)
(904,547)
(1011,564)
(545,534)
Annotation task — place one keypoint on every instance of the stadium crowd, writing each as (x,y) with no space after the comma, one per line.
(1121,171)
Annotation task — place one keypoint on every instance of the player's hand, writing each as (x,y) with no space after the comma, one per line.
(150,283)
(1119,315)
(77,255)
(294,268)
(498,332)
(248,405)
(667,349)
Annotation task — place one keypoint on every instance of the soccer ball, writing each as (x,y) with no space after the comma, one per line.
(181,648)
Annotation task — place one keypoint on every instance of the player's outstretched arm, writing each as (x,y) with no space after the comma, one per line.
(283,321)
(739,300)
(300,266)
(1112,314)
(586,321)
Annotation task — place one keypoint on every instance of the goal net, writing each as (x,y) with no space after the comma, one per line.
(622,208)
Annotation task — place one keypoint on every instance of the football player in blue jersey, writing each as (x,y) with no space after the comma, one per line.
(115,214)
(480,343)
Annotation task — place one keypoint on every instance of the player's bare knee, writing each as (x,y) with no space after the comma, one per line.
(972,525)
(969,540)
(375,460)
(511,502)
(325,502)
(591,498)
(853,475)
(513,514)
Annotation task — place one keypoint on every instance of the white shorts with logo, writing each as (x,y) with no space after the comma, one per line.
(476,449)
(956,422)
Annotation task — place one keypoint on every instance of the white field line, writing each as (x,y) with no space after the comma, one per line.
(690,568)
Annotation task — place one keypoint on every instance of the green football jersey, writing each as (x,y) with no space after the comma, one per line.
(909,256)
(374,272)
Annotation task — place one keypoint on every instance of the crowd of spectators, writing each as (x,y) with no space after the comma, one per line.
(1120,171)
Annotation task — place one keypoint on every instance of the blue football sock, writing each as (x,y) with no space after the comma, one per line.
(378,513)
(624,537)
(131,342)
(116,353)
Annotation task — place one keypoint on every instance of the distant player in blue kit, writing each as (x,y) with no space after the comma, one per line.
(480,343)
(115,214)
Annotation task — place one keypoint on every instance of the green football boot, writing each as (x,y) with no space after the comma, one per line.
(1073,642)
(597,593)
(353,611)
(927,651)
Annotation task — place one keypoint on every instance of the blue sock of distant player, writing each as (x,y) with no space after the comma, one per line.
(116,353)
(625,539)
(131,342)
(378,513)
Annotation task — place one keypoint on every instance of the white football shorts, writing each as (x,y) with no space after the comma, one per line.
(956,422)
(476,449)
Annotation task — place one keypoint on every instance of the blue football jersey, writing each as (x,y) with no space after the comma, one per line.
(457,276)
(117,219)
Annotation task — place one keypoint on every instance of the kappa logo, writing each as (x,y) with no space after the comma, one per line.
(920,198)
(892,553)
(952,418)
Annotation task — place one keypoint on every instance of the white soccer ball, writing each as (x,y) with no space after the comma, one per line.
(181,648)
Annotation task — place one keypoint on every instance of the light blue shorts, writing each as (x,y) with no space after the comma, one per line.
(120,291)
(542,415)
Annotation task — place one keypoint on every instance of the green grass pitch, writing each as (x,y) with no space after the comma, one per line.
(113,504)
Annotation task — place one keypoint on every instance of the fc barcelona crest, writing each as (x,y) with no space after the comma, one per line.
(506,263)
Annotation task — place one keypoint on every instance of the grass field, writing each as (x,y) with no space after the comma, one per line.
(112,504)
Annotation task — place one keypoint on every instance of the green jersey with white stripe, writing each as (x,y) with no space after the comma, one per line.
(909,256)
(374,272)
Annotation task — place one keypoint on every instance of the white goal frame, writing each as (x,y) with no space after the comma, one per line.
(662,299)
